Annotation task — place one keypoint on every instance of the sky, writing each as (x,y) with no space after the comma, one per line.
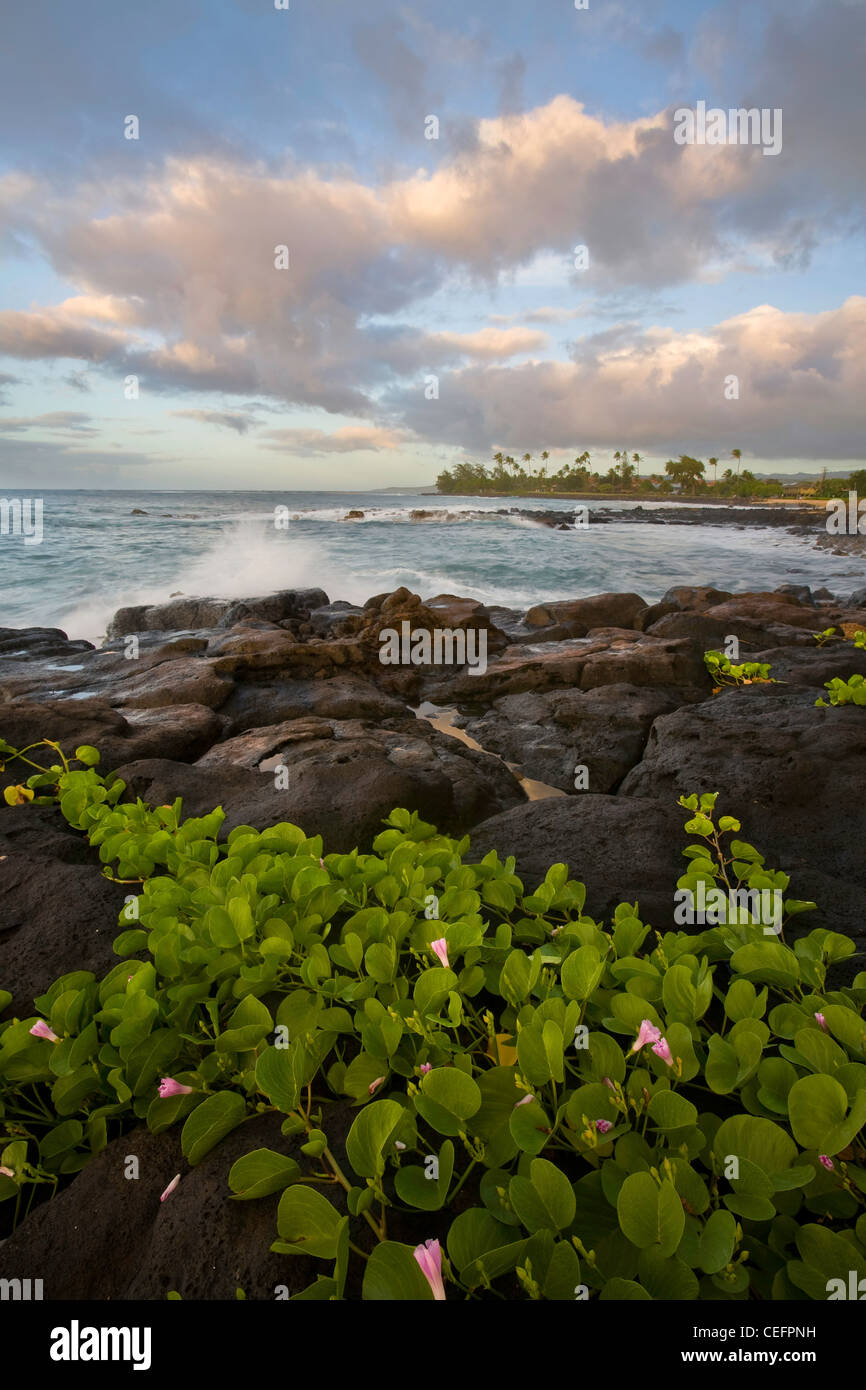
(344,250)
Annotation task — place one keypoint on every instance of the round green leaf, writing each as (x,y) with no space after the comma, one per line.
(392,1274)
(308,1224)
(650,1214)
(210,1122)
(544,1201)
(370,1133)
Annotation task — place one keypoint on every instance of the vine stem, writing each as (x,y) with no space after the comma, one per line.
(341,1177)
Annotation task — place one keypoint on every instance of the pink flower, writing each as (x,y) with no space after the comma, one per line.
(321,863)
(41,1030)
(662,1049)
(425,1067)
(399,1145)
(429,1257)
(441,950)
(374,1085)
(7,1172)
(648,1034)
(603,1126)
(822,1021)
(525,1101)
(172,1185)
(169,1087)
(826,1162)
(607,1081)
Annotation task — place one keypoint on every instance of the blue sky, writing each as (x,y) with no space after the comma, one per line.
(412,259)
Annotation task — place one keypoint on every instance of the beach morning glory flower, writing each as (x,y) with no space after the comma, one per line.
(374,1085)
(441,950)
(603,1126)
(41,1030)
(425,1067)
(6,1172)
(169,1087)
(172,1185)
(429,1257)
(822,1021)
(662,1049)
(826,1162)
(648,1034)
(525,1101)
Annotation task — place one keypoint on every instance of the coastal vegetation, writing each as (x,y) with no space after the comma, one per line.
(684,475)
(541,1105)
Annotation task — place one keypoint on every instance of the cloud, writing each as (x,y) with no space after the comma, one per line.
(345,440)
(58,464)
(546,313)
(801,380)
(59,421)
(223,419)
(6,380)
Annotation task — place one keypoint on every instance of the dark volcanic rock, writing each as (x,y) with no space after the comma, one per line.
(344,777)
(711,632)
(792,773)
(576,616)
(172,731)
(199,1242)
(57,913)
(38,642)
(254,704)
(622,853)
(813,665)
(187,681)
(548,734)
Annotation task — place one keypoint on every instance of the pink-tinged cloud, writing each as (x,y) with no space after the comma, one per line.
(345,440)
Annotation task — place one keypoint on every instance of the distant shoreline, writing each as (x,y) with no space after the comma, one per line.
(666,498)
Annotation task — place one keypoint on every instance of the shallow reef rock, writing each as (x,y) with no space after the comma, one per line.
(214,695)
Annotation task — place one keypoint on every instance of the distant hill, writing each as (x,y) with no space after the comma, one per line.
(806,477)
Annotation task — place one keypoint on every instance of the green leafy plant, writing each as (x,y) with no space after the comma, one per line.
(546,1106)
(723,673)
(845,692)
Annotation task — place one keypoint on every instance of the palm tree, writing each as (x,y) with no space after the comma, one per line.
(636,460)
(714,463)
(737,454)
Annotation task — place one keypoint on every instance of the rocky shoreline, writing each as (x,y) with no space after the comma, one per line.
(205,698)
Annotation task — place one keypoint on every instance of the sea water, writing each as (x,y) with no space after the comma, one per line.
(96,555)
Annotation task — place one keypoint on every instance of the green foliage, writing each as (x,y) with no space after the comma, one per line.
(723,673)
(577,1108)
(849,692)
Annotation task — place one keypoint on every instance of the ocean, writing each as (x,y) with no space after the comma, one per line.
(97,556)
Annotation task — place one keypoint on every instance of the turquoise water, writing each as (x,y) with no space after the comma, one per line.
(95,556)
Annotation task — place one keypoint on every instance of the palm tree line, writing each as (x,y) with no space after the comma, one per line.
(684,474)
